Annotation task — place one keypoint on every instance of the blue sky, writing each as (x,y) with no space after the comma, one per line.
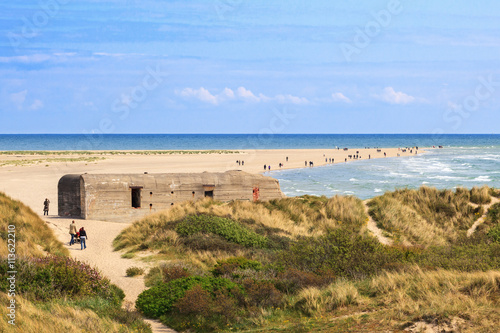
(234,66)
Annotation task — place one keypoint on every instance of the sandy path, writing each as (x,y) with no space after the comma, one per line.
(480,220)
(99,253)
(372,226)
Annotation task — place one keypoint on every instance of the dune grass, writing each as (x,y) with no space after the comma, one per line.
(33,237)
(465,302)
(278,221)
(427,216)
(324,272)
(58,317)
(22,162)
(115,152)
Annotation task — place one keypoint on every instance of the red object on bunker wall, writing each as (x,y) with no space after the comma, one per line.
(255,193)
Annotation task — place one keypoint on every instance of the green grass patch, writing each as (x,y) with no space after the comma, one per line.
(226,228)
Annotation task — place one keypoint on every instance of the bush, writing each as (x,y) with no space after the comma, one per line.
(166,273)
(57,277)
(159,300)
(340,252)
(195,301)
(493,216)
(202,311)
(133,271)
(224,227)
(228,266)
(173,272)
(494,233)
(209,242)
(292,280)
(262,293)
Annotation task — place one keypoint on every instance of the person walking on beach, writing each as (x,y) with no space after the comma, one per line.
(265,167)
(83,238)
(72,232)
(46,207)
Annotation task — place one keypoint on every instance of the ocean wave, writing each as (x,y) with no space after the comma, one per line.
(482,179)
(353,180)
(446,177)
(377,190)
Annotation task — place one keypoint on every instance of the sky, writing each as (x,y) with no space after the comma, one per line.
(234,66)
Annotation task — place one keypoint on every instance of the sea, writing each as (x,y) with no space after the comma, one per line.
(466,160)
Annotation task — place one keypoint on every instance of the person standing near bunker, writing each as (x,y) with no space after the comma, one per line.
(46,207)
(72,232)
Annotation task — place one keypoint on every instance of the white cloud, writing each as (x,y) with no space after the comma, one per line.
(241,94)
(340,97)
(202,94)
(228,93)
(27,59)
(291,99)
(37,104)
(19,98)
(391,96)
(246,94)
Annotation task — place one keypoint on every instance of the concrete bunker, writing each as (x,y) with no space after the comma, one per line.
(126,197)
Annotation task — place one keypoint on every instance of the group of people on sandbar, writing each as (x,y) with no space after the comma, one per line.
(80,235)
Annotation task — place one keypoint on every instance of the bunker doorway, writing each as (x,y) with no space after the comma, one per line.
(136,198)
(209,190)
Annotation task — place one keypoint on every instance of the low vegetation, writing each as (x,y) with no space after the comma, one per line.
(308,264)
(427,216)
(53,293)
(21,162)
(32,236)
(134,271)
(114,152)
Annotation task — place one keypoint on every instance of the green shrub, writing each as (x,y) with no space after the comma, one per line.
(209,242)
(204,312)
(339,251)
(159,300)
(493,216)
(494,233)
(133,271)
(226,228)
(56,277)
(228,266)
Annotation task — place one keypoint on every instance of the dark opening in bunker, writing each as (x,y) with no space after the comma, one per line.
(136,197)
(209,194)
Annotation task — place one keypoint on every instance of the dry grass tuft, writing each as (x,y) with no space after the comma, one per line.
(33,236)
(54,318)
(341,293)
(427,216)
(440,294)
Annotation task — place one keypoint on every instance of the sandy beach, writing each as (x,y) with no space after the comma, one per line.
(35,178)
